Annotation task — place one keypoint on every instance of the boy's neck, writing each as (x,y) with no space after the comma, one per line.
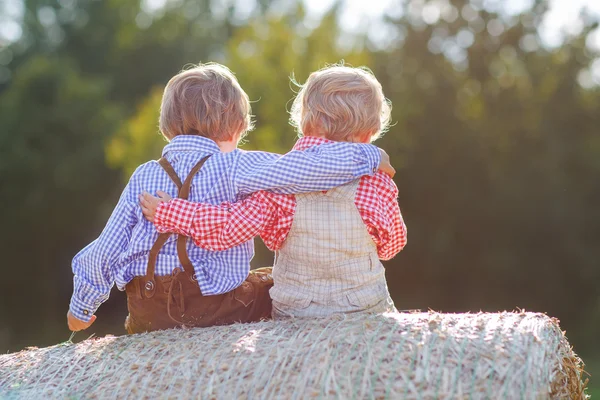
(228,146)
(365,138)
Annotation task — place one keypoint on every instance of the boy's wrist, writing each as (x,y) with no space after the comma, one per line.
(160,217)
(372,154)
(85,300)
(174,216)
(81,311)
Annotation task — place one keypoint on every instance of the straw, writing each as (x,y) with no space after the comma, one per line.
(401,355)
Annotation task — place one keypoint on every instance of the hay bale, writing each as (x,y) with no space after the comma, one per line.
(420,355)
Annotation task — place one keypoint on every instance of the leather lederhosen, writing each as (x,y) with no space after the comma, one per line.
(163,302)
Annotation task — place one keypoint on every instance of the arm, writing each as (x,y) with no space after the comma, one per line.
(317,168)
(225,226)
(92,267)
(396,234)
(377,202)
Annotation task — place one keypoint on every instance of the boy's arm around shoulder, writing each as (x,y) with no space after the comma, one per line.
(393,234)
(93,274)
(317,168)
(221,227)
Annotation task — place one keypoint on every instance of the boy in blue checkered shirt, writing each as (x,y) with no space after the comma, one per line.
(170,282)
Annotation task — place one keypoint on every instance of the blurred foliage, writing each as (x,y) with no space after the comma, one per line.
(133,143)
(495,139)
(269,51)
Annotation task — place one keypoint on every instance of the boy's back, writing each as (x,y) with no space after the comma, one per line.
(327,245)
(192,120)
(128,237)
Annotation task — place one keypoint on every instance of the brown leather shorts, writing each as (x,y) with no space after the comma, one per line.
(176,301)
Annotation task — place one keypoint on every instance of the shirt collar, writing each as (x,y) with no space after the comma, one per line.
(309,141)
(191,143)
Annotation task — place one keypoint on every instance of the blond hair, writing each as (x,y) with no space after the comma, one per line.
(341,103)
(205,100)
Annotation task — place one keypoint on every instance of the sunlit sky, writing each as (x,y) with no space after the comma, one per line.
(363,14)
(560,20)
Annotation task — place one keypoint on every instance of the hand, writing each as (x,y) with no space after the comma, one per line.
(149,203)
(77,324)
(385,166)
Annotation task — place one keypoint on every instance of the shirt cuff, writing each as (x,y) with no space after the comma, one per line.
(373,156)
(85,300)
(81,310)
(177,216)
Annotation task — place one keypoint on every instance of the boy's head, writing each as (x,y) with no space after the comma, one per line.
(343,104)
(206,100)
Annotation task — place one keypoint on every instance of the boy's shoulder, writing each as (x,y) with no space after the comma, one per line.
(249,157)
(145,172)
(146,168)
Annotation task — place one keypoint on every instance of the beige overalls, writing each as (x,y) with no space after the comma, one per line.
(328,264)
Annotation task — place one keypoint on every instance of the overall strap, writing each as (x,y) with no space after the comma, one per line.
(166,165)
(184,192)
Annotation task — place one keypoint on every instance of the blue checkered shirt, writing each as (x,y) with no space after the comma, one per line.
(121,251)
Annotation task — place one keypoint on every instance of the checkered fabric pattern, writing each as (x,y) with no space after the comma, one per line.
(270,216)
(329,262)
(222,227)
(121,251)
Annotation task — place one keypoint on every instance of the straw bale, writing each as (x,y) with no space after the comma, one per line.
(402,355)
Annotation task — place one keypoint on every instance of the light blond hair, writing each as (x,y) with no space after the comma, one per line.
(341,103)
(205,100)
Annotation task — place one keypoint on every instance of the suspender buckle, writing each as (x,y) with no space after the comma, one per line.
(149,289)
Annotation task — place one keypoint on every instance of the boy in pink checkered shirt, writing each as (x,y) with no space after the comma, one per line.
(327,244)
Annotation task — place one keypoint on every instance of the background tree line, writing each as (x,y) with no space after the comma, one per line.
(495,140)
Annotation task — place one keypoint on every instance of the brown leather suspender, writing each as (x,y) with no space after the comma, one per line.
(184,259)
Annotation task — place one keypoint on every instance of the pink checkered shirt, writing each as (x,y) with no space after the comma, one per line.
(270,216)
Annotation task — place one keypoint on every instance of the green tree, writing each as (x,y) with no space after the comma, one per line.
(492,131)
(269,51)
(495,140)
(138,139)
(53,176)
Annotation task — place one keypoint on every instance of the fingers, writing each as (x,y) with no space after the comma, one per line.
(384,156)
(148,213)
(163,195)
(147,199)
(148,207)
(392,172)
(149,203)
(76,325)
(387,169)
